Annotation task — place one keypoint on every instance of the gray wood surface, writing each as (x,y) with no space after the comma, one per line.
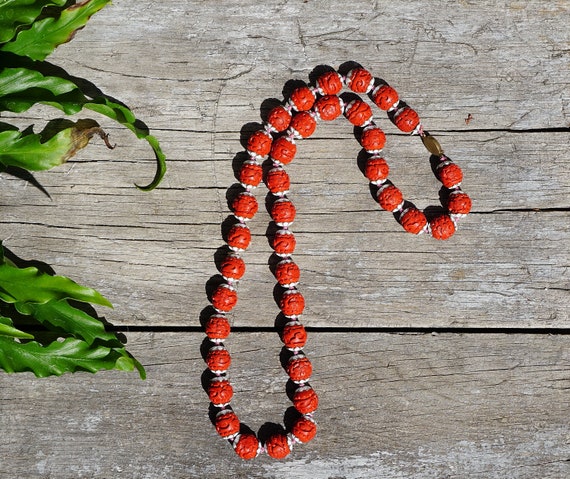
(468,403)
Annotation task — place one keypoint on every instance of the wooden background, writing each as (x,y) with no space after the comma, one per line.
(432,359)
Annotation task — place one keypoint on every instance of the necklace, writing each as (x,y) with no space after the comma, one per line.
(269,149)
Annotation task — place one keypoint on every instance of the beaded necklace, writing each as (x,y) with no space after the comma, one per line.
(269,149)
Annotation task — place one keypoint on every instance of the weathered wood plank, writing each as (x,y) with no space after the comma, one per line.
(403,406)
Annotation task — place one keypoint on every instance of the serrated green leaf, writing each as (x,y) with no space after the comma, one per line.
(7,329)
(45,35)
(34,152)
(58,358)
(18,13)
(29,285)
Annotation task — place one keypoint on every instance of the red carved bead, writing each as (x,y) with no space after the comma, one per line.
(358,113)
(220,392)
(294,335)
(304,429)
(218,359)
(238,237)
(359,80)
(246,446)
(299,368)
(283,212)
(302,98)
(277,181)
(292,303)
(283,150)
(232,267)
(217,327)
(328,107)
(259,143)
(413,220)
(376,169)
(406,119)
(305,400)
(390,197)
(442,227)
(287,272)
(284,242)
(329,83)
(244,206)
(227,423)
(303,124)
(279,118)
(449,174)
(384,97)
(278,446)
(224,298)
(373,139)
(459,203)
(250,173)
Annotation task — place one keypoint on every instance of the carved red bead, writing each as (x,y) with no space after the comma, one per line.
(284,242)
(217,327)
(329,83)
(283,150)
(302,98)
(283,212)
(328,107)
(376,170)
(287,272)
(292,303)
(259,143)
(218,359)
(458,203)
(303,124)
(413,220)
(299,368)
(227,423)
(232,267)
(406,119)
(358,113)
(385,97)
(277,181)
(250,174)
(238,237)
(442,227)
(247,446)
(372,139)
(294,335)
(224,298)
(359,80)
(390,197)
(244,206)
(305,400)
(279,118)
(220,392)
(304,429)
(449,174)
(278,446)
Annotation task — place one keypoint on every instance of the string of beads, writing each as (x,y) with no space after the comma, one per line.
(275,143)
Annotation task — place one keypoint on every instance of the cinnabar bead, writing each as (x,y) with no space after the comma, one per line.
(232,267)
(283,150)
(227,423)
(247,446)
(304,429)
(287,272)
(259,143)
(413,220)
(292,303)
(218,359)
(302,98)
(328,107)
(279,118)
(372,139)
(217,327)
(329,83)
(449,174)
(358,113)
(224,298)
(278,446)
(303,124)
(299,368)
(220,392)
(284,242)
(250,174)
(385,97)
(458,203)
(390,197)
(406,119)
(283,212)
(244,206)
(294,335)
(376,170)
(442,227)
(238,237)
(305,400)
(277,181)
(359,80)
